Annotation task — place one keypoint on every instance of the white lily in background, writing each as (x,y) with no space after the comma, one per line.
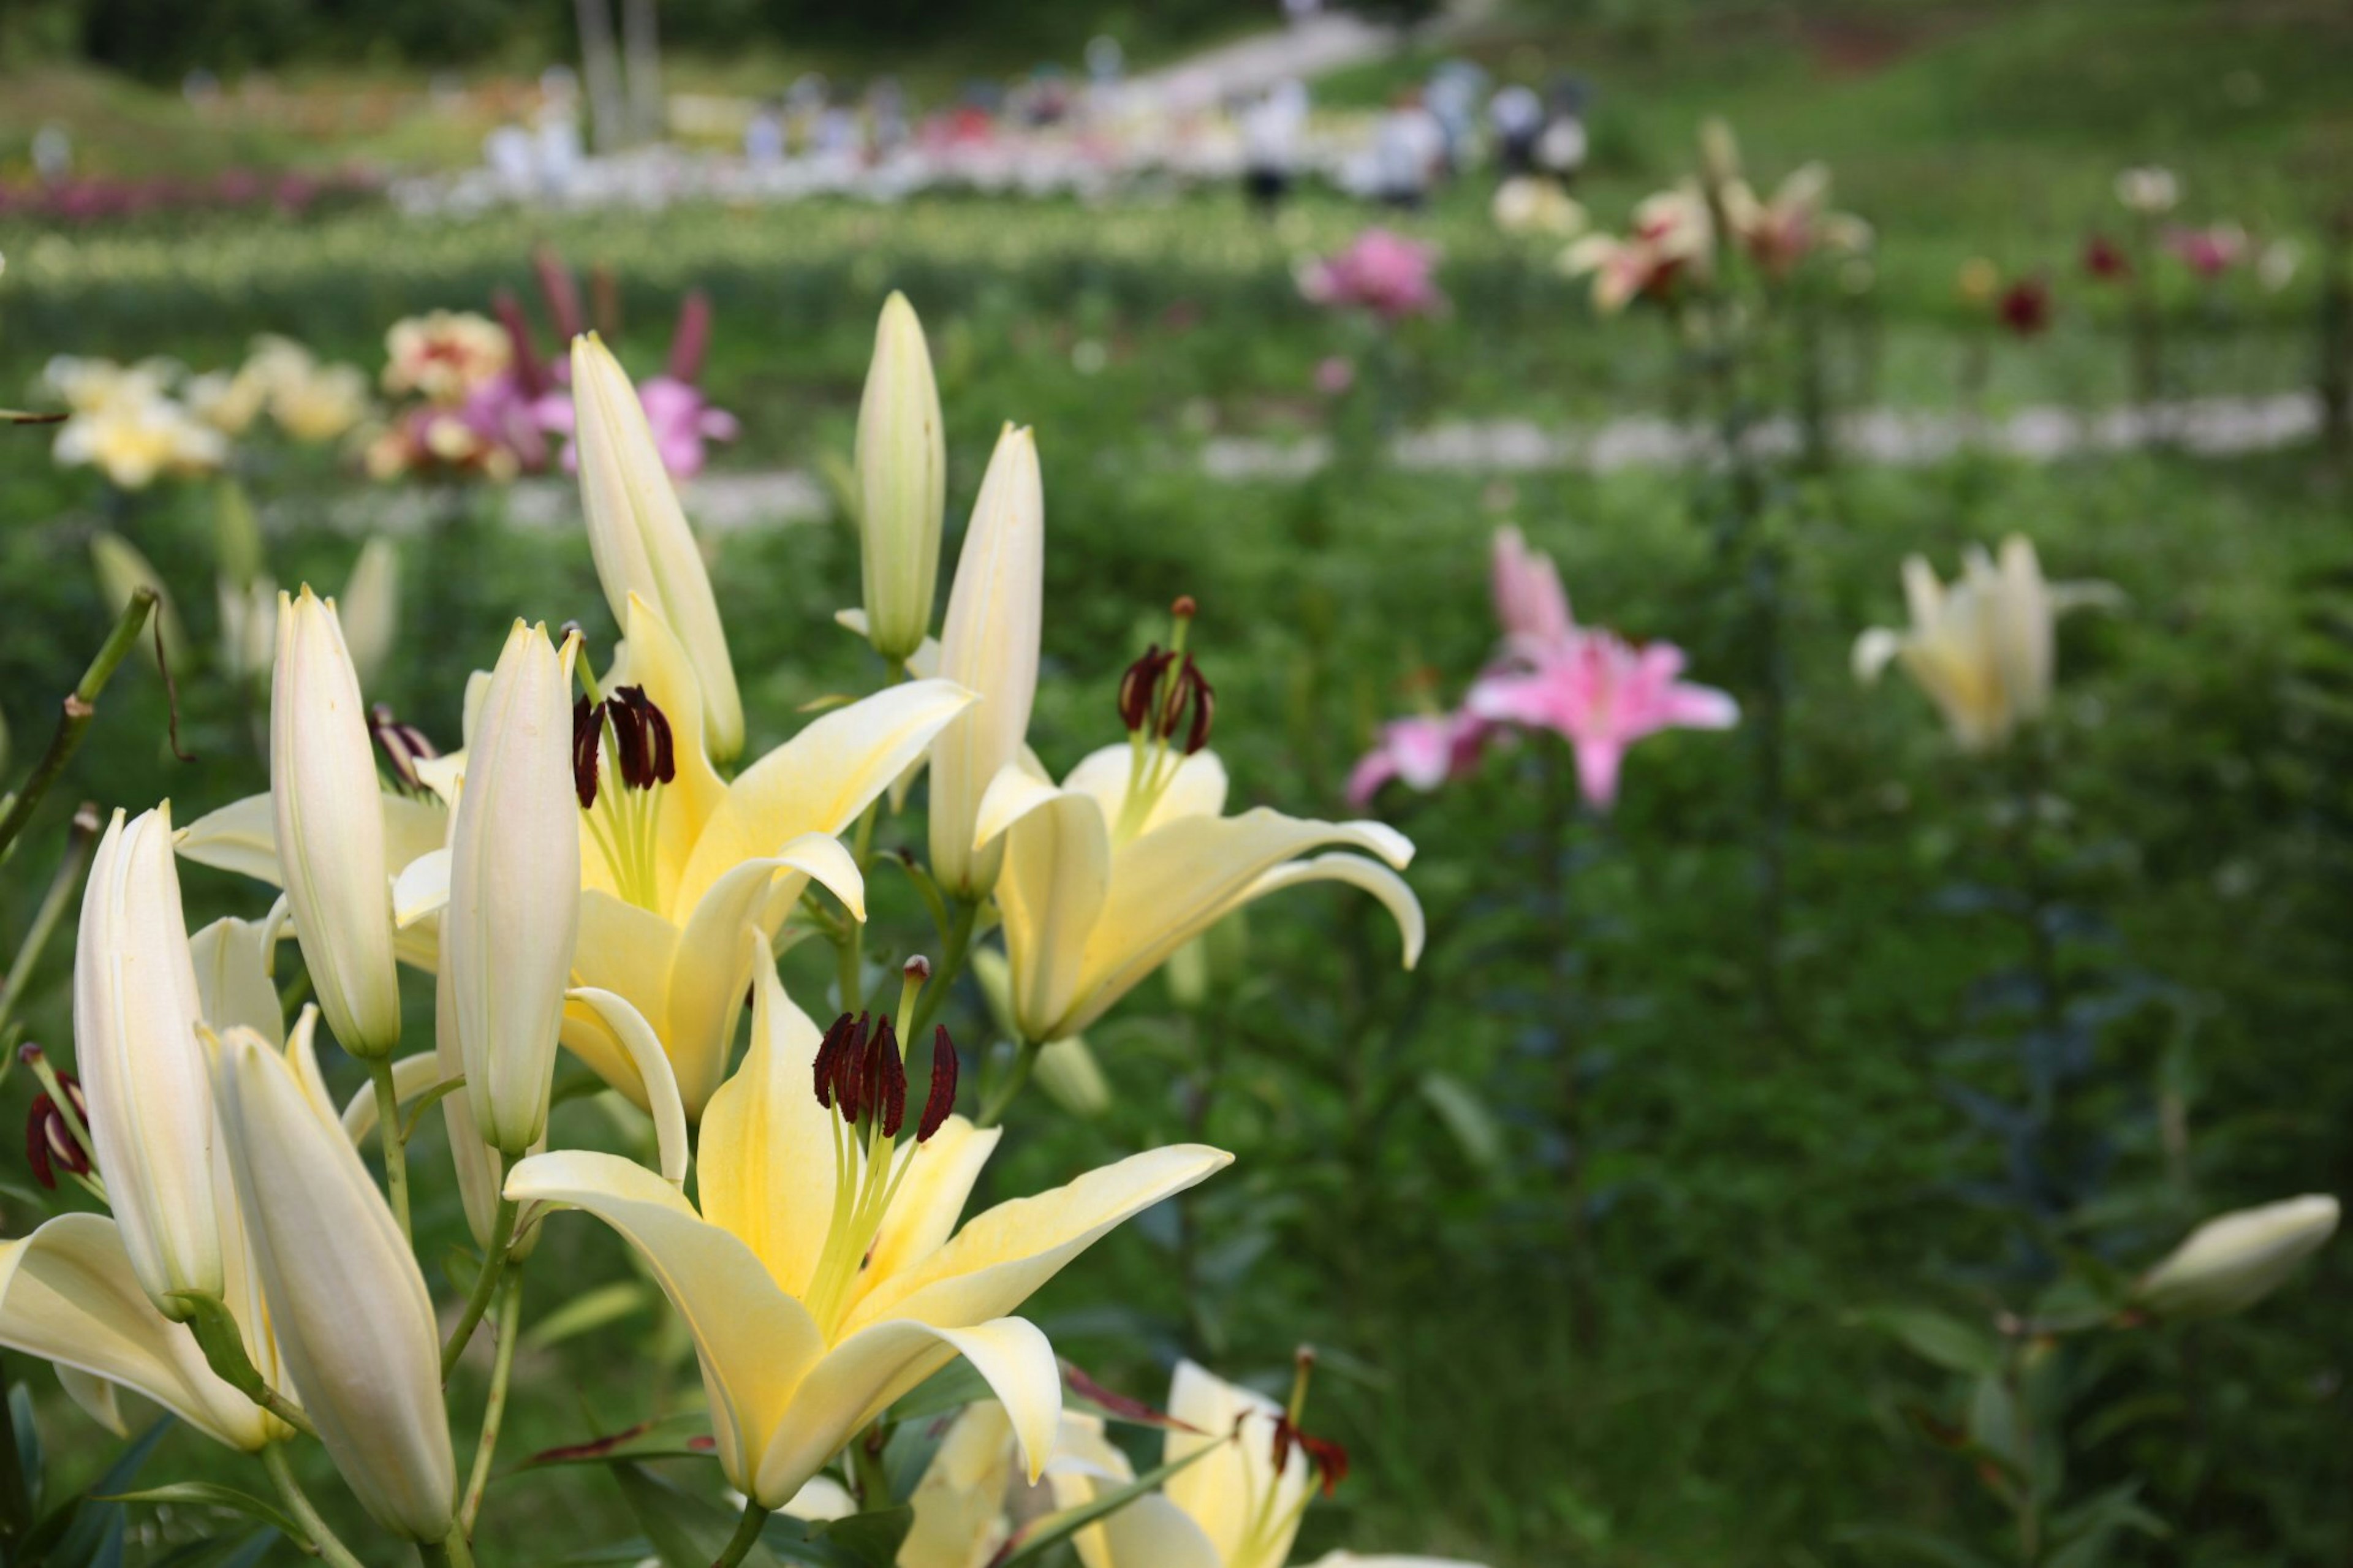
(513,916)
(135,1016)
(903,483)
(640,536)
(329,830)
(989,646)
(824,1274)
(1107,876)
(369,608)
(2234,1260)
(1983,649)
(347,1303)
(674,870)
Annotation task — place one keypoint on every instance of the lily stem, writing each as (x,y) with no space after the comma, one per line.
(395,1146)
(80,708)
(993,1108)
(53,907)
(747,1531)
(494,1262)
(324,1541)
(956,946)
(453,1553)
(495,1410)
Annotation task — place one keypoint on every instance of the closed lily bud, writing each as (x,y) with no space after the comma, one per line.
(142,1069)
(901,483)
(989,646)
(330,826)
(638,534)
(514,891)
(370,608)
(347,1302)
(2230,1263)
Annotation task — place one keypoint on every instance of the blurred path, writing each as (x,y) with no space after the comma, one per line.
(2211,427)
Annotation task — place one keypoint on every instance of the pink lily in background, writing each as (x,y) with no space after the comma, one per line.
(1530,602)
(681,420)
(1422,753)
(1602,694)
(2209,252)
(1380,271)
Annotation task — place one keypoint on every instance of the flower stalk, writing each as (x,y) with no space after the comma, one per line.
(395,1140)
(324,1541)
(80,708)
(486,1283)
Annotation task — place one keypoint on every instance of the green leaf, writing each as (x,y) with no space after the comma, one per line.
(211,1494)
(1934,1337)
(584,1314)
(74,1531)
(951,1387)
(685,1530)
(425,1101)
(30,1460)
(1915,1544)
(1051,1532)
(1466,1115)
(681,1437)
(860,1540)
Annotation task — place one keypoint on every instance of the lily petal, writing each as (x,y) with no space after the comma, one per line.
(657,1086)
(1358,872)
(767,1157)
(931,1200)
(1055,885)
(1198,789)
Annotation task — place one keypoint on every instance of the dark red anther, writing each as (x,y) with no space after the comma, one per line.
(940,1104)
(1140,686)
(886,1077)
(404,745)
(852,1090)
(641,733)
(50,1141)
(1328,1459)
(588,724)
(1191,685)
(829,1059)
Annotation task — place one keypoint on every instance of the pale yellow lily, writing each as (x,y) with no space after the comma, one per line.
(1983,649)
(1237,1506)
(1107,876)
(673,874)
(825,1276)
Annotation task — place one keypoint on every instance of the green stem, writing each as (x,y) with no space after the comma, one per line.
(454,1552)
(747,1531)
(955,946)
(53,908)
(992,1110)
(395,1146)
(494,1262)
(850,961)
(297,1503)
(494,1411)
(81,707)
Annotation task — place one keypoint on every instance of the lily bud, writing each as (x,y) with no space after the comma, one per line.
(901,483)
(2230,1263)
(514,891)
(370,608)
(640,536)
(353,1322)
(142,1070)
(989,646)
(330,826)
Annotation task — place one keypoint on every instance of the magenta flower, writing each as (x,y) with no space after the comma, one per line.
(1380,271)
(679,416)
(1530,604)
(1422,751)
(2209,252)
(1602,694)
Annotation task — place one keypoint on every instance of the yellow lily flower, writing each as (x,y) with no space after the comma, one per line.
(1983,649)
(674,869)
(1129,858)
(824,1274)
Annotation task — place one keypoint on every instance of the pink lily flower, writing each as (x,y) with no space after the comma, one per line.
(1602,694)
(1422,753)
(679,416)
(1530,602)
(1380,271)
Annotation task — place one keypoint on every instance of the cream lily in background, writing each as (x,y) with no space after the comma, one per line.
(640,536)
(901,483)
(347,1303)
(328,828)
(674,871)
(514,915)
(825,1274)
(1108,875)
(2230,1263)
(1981,649)
(989,646)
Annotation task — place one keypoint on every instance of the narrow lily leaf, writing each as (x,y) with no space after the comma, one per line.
(685,1530)
(30,1461)
(606,1304)
(77,1529)
(1118,1406)
(861,1541)
(429,1100)
(951,1387)
(686,1436)
(1918,1545)
(214,1553)
(1466,1115)
(1051,1532)
(211,1494)
(1947,1341)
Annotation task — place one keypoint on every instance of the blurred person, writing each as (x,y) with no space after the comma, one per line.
(1517,116)
(1561,148)
(52,153)
(886,115)
(1408,148)
(764,135)
(1453,94)
(1273,130)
